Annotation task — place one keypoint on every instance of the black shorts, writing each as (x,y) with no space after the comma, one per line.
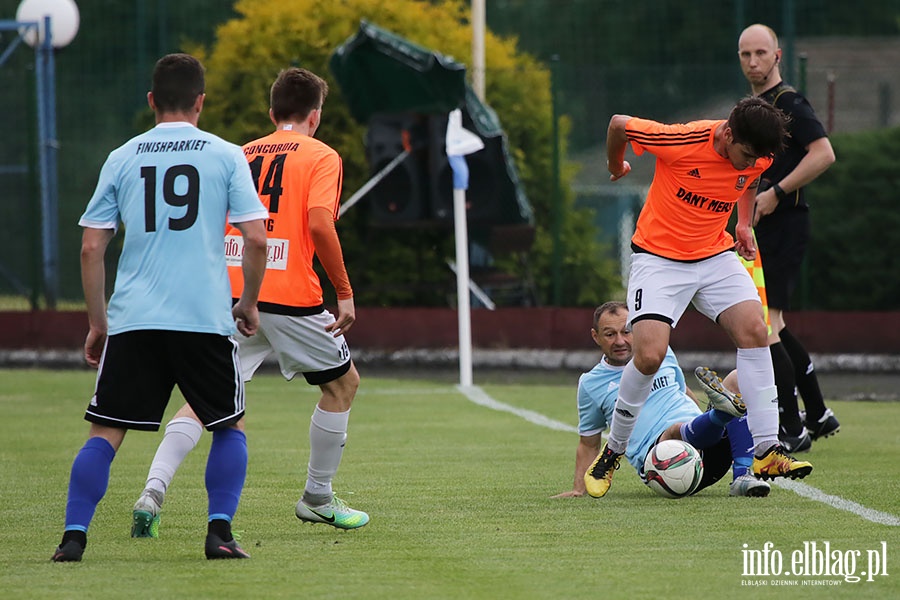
(716,463)
(782,239)
(139,370)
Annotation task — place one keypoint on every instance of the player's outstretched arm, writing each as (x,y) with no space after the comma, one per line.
(587,451)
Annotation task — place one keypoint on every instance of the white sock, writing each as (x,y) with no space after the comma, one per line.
(327,436)
(182,434)
(756,378)
(633,391)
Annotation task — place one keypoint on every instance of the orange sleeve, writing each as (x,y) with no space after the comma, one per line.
(325,183)
(328,249)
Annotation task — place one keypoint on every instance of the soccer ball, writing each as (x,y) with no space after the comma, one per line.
(673,469)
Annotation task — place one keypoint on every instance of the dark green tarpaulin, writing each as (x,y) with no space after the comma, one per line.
(380,72)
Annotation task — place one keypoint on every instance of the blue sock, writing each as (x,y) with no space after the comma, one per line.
(741,446)
(226,469)
(88,482)
(705,430)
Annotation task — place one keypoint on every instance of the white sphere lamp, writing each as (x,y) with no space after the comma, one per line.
(63,20)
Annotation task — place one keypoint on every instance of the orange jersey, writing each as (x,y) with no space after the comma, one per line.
(293,173)
(693,192)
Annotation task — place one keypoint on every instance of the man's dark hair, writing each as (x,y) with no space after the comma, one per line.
(177,81)
(759,125)
(296,93)
(613,306)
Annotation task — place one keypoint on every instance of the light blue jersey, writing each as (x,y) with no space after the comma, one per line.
(667,404)
(172,188)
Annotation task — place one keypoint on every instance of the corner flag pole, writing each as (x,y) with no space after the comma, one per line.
(461,142)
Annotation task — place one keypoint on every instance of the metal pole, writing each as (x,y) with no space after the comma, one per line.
(361,192)
(463,308)
(741,82)
(556,196)
(803,61)
(830,79)
(478,26)
(47,153)
(34,213)
(789,35)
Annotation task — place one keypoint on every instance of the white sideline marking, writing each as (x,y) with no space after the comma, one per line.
(807,491)
(481,398)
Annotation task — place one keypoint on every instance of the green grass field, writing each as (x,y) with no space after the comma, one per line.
(459,496)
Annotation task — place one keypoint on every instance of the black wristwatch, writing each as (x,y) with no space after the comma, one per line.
(779,193)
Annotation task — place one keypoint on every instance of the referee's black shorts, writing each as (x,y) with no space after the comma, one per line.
(782,239)
(139,370)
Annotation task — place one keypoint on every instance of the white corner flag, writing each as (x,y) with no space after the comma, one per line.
(461,142)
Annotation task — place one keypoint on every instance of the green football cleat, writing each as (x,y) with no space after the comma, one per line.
(336,513)
(145,516)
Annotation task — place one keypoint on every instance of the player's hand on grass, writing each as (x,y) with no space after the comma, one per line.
(569,494)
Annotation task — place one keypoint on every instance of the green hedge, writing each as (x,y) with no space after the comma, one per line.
(855,245)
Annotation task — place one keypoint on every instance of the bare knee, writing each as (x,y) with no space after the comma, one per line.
(672,432)
(746,325)
(731,382)
(338,395)
(648,360)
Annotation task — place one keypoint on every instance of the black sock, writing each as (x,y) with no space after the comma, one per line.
(788,410)
(76,535)
(220,528)
(805,375)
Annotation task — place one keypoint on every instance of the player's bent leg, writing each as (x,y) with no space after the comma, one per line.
(716,463)
(327,438)
(182,434)
(720,398)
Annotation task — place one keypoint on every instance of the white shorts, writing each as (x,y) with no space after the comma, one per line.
(300,344)
(661,289)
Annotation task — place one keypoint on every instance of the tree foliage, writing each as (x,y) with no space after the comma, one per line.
(402,266)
